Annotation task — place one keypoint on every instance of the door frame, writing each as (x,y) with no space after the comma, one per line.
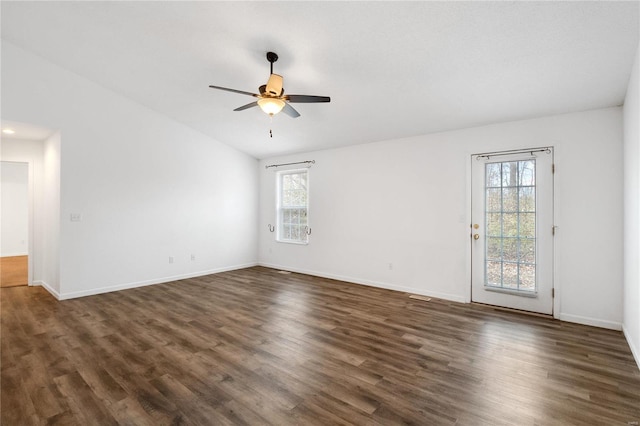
(469,218)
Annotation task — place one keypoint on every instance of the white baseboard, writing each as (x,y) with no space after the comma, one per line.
(634,350)
(125,286)
(438,295)
(595,322)
(47,287)
(14,254)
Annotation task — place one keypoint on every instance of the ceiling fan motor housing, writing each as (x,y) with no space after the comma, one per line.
(274,85)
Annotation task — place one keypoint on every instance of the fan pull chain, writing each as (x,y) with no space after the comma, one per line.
(270,121)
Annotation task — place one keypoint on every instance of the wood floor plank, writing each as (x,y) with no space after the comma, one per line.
(84,404)
(197,411)
(14,271)
(257,347)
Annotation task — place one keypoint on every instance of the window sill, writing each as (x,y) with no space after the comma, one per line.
(299,243)
(523,293)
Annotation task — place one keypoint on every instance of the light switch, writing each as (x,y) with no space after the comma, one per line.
(76,217)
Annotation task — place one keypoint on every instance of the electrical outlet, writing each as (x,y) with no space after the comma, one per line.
(193,257)
(170,259)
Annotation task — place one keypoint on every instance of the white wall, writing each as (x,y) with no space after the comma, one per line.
(631,322)
(31,152)
(147,187)
(406,202)
(14,216)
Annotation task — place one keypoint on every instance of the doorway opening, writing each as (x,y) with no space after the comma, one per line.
(14,215)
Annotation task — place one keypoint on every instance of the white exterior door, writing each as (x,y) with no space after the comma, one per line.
(512,230)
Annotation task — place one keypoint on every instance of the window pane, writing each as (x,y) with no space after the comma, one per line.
(286,182)
(494,248)
(494,273)
(510,199)
(527,197)
(528,225)
(509,174)
(293,198)
(286,231)
(295,232)
(494,224)
(510,275)
(494,200)
(526,173)
(527,277)
(510,224)
(493,175)
(510,249)
(528,250)
(295,216)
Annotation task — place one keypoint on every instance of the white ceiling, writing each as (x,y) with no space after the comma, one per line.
(392,69)
(25,131)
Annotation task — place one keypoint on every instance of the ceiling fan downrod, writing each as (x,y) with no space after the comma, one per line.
(272,57)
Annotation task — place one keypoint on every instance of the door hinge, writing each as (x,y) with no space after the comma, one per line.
(553,230)
(553,168)
(553,293)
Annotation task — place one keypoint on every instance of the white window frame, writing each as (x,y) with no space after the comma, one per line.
(304,240)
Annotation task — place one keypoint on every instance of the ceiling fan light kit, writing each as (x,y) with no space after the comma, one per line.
(271,106)
(271,98)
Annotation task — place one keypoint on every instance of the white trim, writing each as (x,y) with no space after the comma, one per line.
(300,243)
(469,218)
(378,284)
(50,289)
(634,351)
(557,239)
(126,286)
(595,322)
(513,292)
(15,254)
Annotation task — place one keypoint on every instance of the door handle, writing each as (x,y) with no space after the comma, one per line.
(476,236)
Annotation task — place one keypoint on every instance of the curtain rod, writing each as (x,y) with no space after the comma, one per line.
(488,155)
(290,164)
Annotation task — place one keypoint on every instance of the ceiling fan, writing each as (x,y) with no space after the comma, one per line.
(272,99)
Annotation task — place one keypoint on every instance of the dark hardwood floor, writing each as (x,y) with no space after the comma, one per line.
(258,347)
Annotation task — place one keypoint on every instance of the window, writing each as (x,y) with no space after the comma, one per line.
(510,217)
(293,206)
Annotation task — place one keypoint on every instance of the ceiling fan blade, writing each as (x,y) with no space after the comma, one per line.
(307,98)
(247,106)
(242,92)
(290,111)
